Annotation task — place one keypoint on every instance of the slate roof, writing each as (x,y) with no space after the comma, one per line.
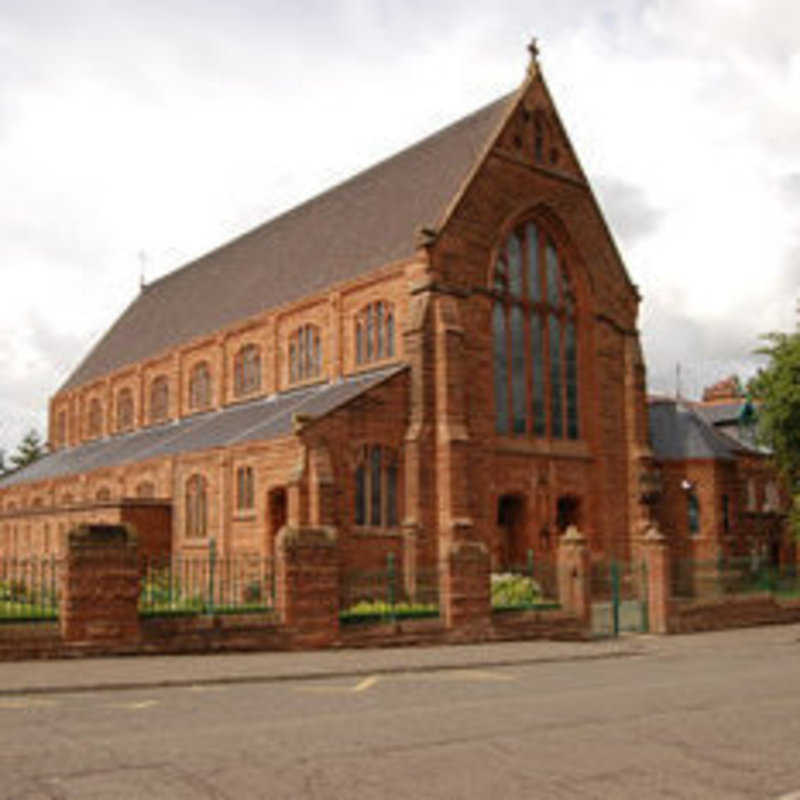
(265,418)
(677,433)
(367,221)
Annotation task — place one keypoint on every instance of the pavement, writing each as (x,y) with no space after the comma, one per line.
(138,672)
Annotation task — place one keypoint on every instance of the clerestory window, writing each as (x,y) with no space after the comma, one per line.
(247,370)
(305,353)
(124,410)
(375,333)
(159,399)
(199,387)
(535,338)
(95,422)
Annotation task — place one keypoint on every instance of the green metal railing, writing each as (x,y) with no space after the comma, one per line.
(619,591)
(532,585)
(207,584)
(739,575)
(29,589)
(386,594)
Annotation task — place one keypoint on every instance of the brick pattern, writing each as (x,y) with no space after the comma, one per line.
(100,588)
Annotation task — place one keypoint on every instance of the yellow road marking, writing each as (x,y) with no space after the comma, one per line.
(361,686)
(366,684)
(136,706)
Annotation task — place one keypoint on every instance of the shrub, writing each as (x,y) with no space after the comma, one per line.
(509,589)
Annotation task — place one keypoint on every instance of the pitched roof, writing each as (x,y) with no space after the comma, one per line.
(678,433)
(262,419)
(363,223)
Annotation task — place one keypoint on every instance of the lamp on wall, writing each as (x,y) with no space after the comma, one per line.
(687,485)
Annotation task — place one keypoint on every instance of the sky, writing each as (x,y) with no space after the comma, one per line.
(135,136)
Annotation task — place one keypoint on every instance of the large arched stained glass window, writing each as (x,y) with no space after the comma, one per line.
(535,338)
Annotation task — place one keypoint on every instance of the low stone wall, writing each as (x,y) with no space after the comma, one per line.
(730,611)
(263,632)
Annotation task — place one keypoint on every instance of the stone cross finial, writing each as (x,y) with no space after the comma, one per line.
(533,49)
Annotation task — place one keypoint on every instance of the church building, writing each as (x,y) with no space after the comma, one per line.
(442,348)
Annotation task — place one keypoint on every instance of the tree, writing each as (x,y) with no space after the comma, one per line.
(30,449)
(3,468)
(777,387)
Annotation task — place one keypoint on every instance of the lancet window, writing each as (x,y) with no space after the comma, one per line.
(376,487)
(196,508)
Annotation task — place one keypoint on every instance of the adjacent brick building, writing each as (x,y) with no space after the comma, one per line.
(719,494)
(441,349)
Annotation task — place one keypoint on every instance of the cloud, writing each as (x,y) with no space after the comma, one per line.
(627,209)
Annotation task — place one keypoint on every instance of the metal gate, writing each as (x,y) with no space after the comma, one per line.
(619,597)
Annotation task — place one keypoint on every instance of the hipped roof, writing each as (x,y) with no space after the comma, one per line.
(678,432)
(366,222)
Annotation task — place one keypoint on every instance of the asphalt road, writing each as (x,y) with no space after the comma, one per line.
(704,716)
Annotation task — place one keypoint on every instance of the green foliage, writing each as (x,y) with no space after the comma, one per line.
(777,386)
(13,591)
(510,589)
(30,449)
(374,610)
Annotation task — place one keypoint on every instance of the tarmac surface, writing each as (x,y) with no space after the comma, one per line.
(130,672)
(704,716)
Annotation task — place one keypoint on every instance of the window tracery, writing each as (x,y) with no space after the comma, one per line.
(305,353)
(534,335)
(247,370)
(159,399)
(200,387)
(124,410)
(375,332)
(376,487)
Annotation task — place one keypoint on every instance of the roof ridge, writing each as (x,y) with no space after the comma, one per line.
(320,196)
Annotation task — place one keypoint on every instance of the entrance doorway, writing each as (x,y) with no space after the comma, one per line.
(276,517)
(568,512)
(512,544)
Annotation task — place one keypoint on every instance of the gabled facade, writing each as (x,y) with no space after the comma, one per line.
(443,348)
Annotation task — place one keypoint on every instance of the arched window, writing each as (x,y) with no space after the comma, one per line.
(124,410)
(751,494)
(772,499)
(196,511)
(247,370)
(535,338)
(245,488)
(375,332)
(145,489)
(95,421)
(199,387)
(376,487)
(61,429)
(159,399)
(305,354)
(693,513)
